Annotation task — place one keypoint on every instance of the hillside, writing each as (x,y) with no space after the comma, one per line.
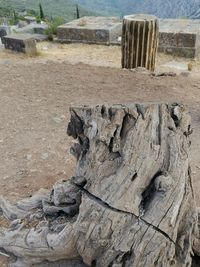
(66,8)
(161,8)
(63,8)
(168,8)
(195,14)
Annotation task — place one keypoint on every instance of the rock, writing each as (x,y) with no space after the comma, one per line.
(185,73)
(164,74)
(2,32)
(30,19)
(29,157)
(57,119)
(33,28)
(45,48)
(20,43)
(45,156)
(22,24)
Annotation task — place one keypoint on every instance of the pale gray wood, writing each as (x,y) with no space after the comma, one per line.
(130,202)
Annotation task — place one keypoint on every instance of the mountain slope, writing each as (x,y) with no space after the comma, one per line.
(63,8)
(195,14)
(160,8)
(168,8)
(67,9)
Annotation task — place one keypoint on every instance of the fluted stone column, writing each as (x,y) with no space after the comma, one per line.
(139,41)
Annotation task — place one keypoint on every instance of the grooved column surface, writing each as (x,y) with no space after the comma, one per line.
(139,41)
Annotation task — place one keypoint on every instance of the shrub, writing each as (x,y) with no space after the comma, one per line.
(52,27)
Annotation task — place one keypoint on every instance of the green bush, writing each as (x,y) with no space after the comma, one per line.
(14,19)
(38,19)
(52,27)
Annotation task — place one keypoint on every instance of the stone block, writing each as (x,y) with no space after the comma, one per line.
(92,30)
(33,28)
(20,43)
(180,37)
(30,19)
(186,52)
(4,30)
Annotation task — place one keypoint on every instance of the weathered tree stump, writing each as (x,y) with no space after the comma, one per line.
(130,203)
(139,41)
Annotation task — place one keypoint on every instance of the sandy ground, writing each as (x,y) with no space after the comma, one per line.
(35,96)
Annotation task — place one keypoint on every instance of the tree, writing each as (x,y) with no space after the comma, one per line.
(41,12)
(77,12)
(15,18)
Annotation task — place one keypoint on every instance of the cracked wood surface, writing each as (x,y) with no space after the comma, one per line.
(137,162)
(130,202)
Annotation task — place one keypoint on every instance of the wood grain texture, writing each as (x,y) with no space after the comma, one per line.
(130,202)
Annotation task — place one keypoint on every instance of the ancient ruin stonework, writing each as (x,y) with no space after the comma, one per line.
(4,30)
(92,30)
(139,41)
(24,43)
(180,37)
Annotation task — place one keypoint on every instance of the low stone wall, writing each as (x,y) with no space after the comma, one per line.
(20,43)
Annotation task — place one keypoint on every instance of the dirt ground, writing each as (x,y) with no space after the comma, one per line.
(35,96)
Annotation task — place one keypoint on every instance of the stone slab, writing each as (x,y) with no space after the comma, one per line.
(180,37)
(36,30)
(24,43)
(182,66)
(33,28)
(92,30)
(179,51)
(179,25)
(30,19)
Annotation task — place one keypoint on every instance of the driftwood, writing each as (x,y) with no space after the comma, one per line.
(139,41)
(130,202)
